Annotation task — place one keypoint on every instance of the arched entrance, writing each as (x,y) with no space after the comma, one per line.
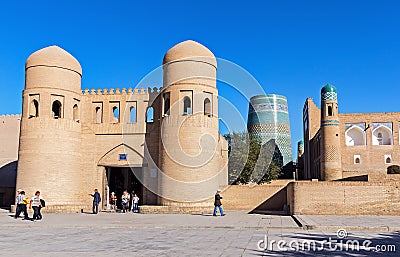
(124,168)
(120,179)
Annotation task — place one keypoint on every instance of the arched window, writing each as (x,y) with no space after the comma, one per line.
(355,136)
(34,109)
(115,114)
(330,112)
(207,107)
(132,114)
(75,113)
(388,160)
(382,135)
(357,160)
(150,114)
(99,115)
(186,105)
(167,104)
(56,109)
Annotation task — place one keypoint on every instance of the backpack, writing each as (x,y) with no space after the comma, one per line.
(43,203)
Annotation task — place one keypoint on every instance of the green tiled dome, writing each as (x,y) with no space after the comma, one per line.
(328,88)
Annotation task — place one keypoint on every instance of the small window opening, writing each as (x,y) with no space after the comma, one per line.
(115,114)
(75,113)
(150,115)
(186,105)
(330,112)
(207,107)
(98,115)
(34,109)
(166,104)
(132,114)
(56,109)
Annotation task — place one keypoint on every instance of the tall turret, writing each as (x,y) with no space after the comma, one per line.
(49,151)
(331,162)
(191,152)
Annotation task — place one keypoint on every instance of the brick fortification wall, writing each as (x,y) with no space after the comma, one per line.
(344,198)
(249,197)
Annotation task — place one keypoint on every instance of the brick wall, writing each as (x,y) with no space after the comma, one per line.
(344,198)
(249,197)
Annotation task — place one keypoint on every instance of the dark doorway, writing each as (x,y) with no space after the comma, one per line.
(121,179)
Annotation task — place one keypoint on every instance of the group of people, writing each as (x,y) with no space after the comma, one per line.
(36,203)
(128,201)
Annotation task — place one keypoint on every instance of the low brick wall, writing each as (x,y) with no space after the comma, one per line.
(344,198)
(270,196)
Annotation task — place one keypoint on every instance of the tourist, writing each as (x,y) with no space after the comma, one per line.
(96,201)
(135,203)
(113,201)
(125,201)
(217,204)
(36,204)
(21,204)
(131,202)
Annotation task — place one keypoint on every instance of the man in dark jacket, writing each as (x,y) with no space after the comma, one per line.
(96,201)
(217,204)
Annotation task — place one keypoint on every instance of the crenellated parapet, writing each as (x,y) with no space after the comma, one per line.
(122,91)
(10,116)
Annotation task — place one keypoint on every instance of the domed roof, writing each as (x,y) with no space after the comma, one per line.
(190,50)
(53,56)
(328,88)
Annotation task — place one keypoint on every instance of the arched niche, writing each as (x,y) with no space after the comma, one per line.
(382,135)
(355,136)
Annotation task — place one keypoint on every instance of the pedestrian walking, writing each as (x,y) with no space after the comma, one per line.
(96,201)
(125,201)
(218,204)
(36,204)
(21,201)
(135,202)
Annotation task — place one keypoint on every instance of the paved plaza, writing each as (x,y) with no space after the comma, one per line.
(236,234)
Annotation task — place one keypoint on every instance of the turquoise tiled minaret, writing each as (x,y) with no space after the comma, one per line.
(268,119)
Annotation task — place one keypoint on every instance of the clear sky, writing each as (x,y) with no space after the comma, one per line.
(291,48)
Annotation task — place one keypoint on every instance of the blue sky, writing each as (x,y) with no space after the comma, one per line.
(291,48)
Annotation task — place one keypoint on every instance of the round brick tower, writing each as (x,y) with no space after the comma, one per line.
(49,151)
(331,161)
(191,156)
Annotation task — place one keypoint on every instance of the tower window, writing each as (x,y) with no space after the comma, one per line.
(56,109)
(166,104)
(330,112)
(115,114)
(207,107)
(186,105)
(132,114)
(150,115)
(34,109)
(99,115)
(75,113)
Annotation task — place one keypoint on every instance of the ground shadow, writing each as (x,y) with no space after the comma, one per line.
(274,205)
